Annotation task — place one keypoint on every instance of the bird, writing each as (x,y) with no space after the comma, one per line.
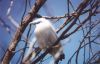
(46,36)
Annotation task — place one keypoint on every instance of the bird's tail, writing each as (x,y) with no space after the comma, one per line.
(57,53)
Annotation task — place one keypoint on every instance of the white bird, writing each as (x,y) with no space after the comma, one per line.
(46,37)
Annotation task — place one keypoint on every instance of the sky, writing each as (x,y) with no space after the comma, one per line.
(50,8)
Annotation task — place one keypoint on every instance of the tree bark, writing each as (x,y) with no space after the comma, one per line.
(27,19)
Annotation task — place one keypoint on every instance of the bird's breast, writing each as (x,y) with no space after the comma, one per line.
(45,35)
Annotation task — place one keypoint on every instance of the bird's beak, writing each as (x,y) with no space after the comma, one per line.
(34,23)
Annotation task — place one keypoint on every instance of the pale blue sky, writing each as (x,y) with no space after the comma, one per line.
(52,8)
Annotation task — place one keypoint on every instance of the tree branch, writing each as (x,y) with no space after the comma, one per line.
(81,7)
(27,19)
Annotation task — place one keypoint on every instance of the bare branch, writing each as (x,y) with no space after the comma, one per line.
(9,54)
(52,17)
(83,5)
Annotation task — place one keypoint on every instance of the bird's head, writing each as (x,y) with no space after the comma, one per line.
(37,21)
(34,22)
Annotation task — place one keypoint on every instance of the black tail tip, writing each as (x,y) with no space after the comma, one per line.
(61,57)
